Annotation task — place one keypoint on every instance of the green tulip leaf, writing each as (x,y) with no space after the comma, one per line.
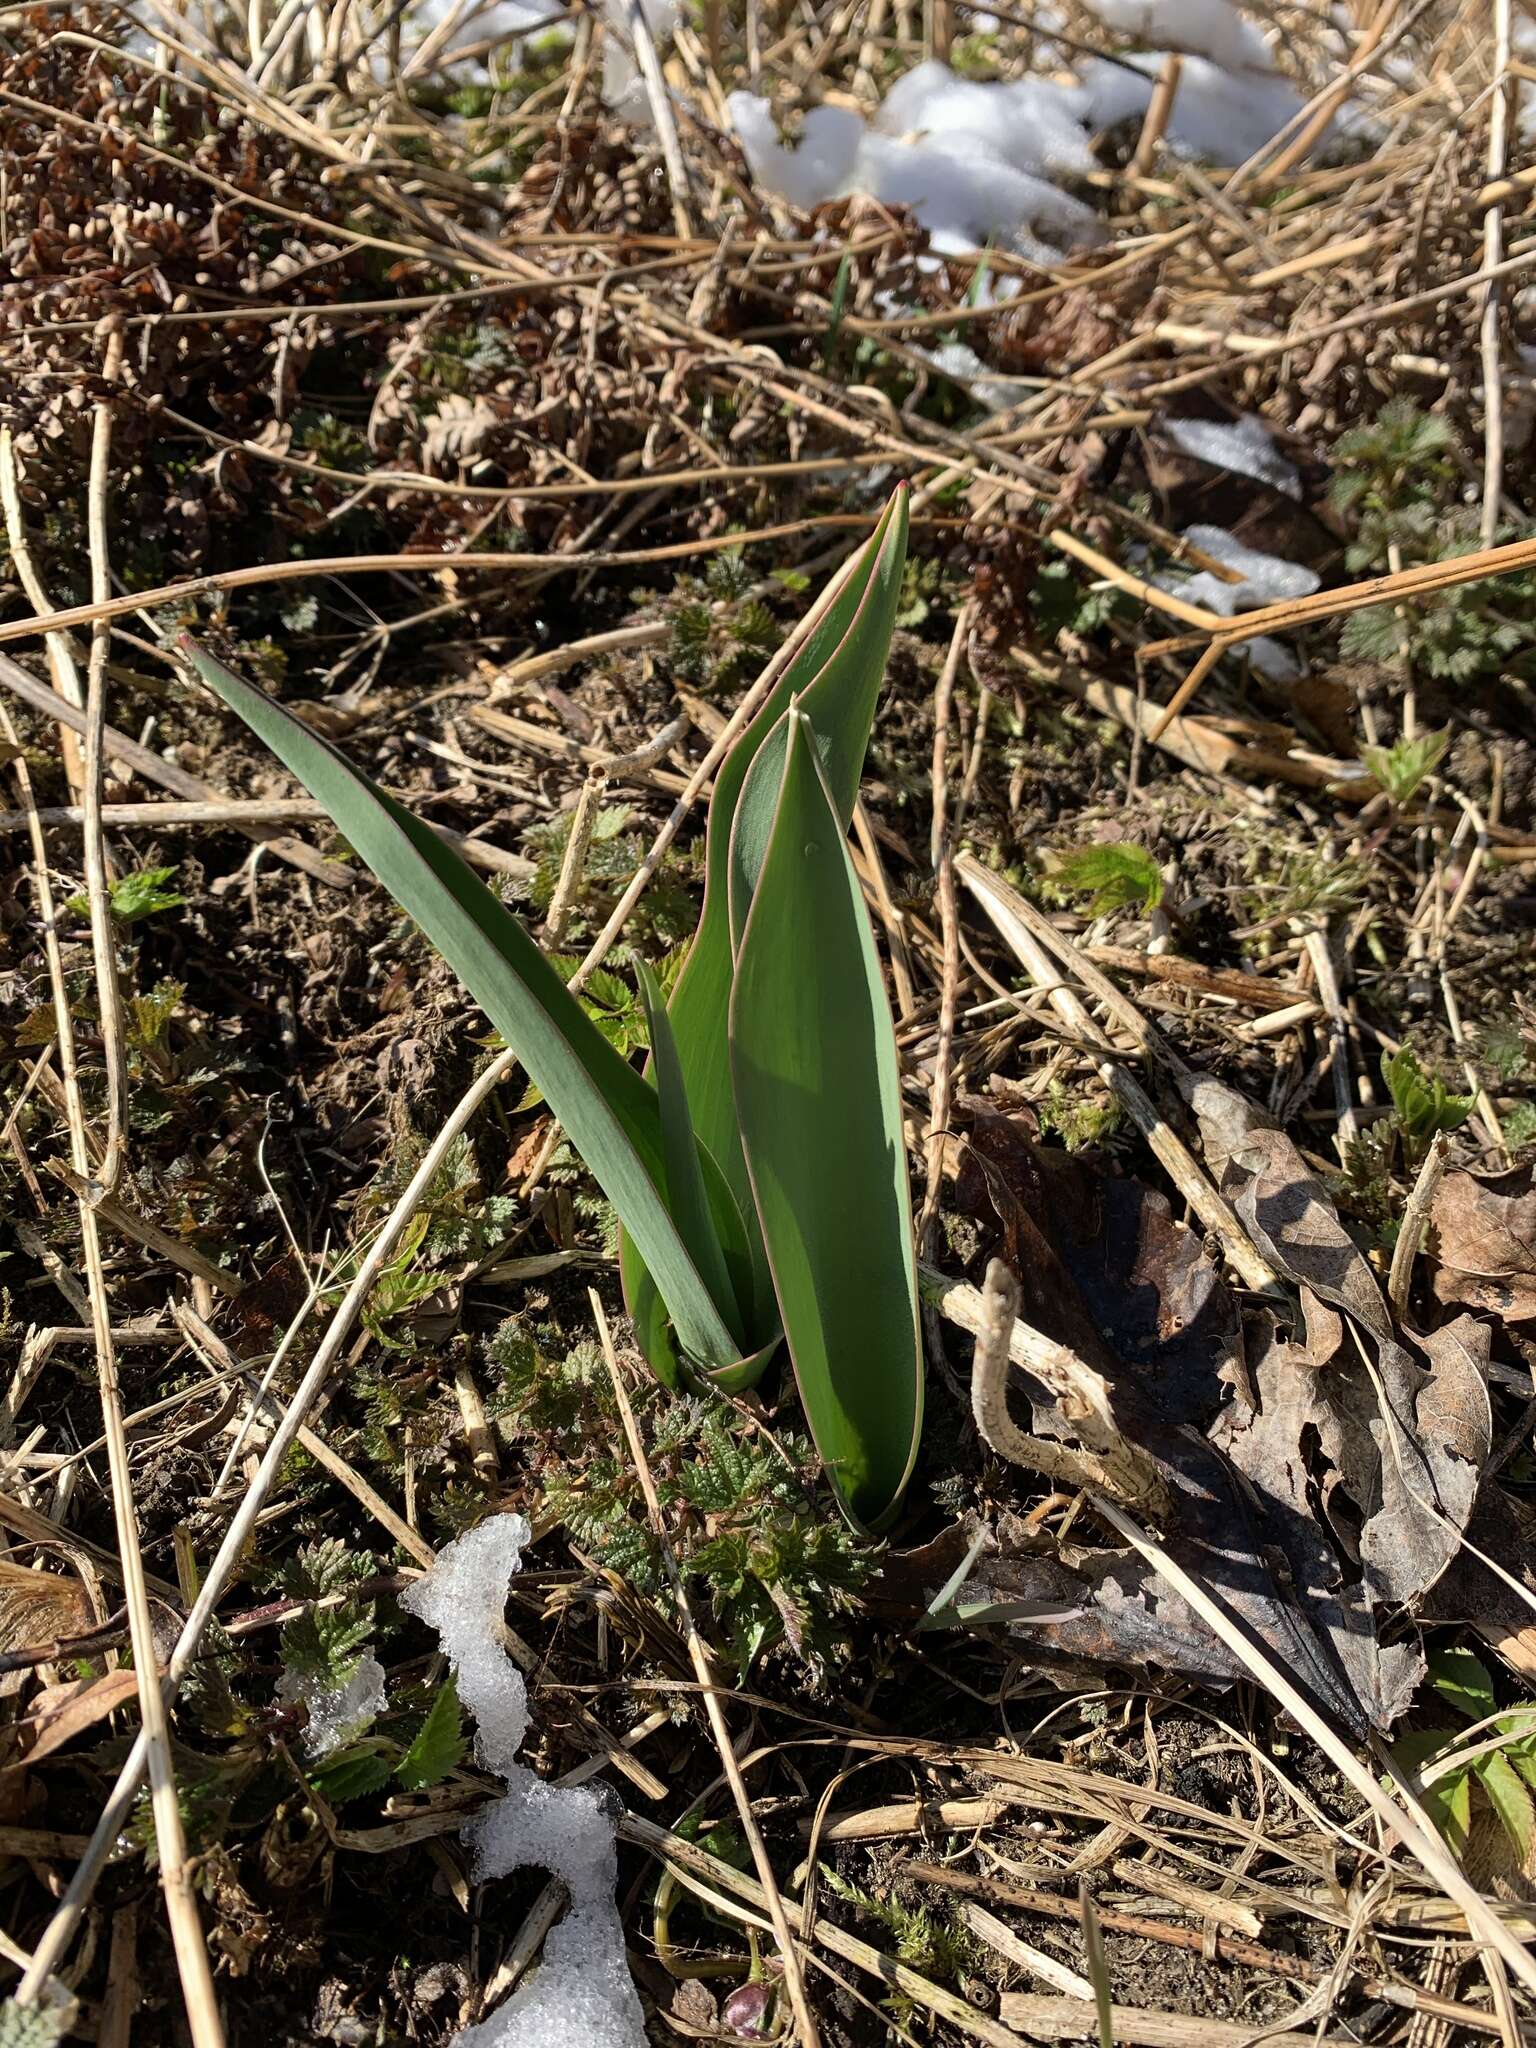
(817,1093)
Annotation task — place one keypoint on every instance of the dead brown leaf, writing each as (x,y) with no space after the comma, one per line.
(61,1712)
(37,1607)
(1322,1478)
(1407,1443)
(1485,1242)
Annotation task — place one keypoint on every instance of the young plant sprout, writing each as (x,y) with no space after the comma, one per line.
(758,1171)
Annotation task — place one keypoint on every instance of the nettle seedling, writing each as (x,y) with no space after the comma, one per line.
(758,1171)
(1492,1763)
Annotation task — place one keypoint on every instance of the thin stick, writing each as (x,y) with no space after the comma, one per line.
(1159,108)
(639,32)
(1321,955)
(1001,904)
(177,815)
(1113,1462)
(164,774)
(794,1977)
(154,1737)
(707,1875)
(1493,251)
(1329,102)
(93,842)
(574,866)
(62,665)
(406,563)
(1259,348)
(1403,1816)
(1212,1942)
(1415,1222)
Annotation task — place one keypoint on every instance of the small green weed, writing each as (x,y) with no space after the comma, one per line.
(1403,766)
(1061,603)
(934,1946)
(741,1518)
(1286,883)
(324,1645)
(1501,1778)
(1079,1121)
(145,893)
(668,910)
(1118,876)
(1397,480)
(1421,1103)
(721,633)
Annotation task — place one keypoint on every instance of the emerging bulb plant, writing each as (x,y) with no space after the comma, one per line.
(758,1170)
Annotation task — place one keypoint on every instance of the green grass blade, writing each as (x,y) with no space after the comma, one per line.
(610,1111)
(687,1195)
(700,1003)
(813,1060)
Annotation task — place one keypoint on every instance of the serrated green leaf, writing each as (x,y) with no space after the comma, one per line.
(1374,634)
(438,1747)
(817,1089)
(1117,875)
(1448,1802)
(354,1772)
(1462,1679)
(1509,1799)
(609,1111)
(144,893)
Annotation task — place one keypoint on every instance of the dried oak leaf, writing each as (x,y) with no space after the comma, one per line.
(1107,1269)
(1485,1242)
(1412,1440)
(1317,1497)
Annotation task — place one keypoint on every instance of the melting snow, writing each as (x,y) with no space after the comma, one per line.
(1206,28)
(1031,124)
(957,184)
(581,1992)
(1216,113)
(981,163)
(340,1715)
(1266,579)
(1243,446)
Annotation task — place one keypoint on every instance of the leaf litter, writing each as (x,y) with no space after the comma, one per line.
(1322,1478)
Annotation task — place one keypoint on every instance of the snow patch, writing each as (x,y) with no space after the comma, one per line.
(957,359)
(1204,28)
(1031,124)
(337,1715)
(978,163)
(1244,447)
(966,181)
(1266,579)
(581,1992)
(1216,113)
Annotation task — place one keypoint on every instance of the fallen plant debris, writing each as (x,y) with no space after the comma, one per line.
(1485,1243)
(1127,860)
